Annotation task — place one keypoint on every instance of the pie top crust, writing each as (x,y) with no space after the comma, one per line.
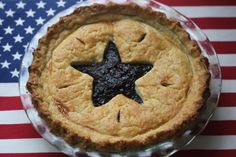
(173,91)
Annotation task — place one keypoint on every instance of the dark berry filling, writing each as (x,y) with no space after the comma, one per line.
(111,77)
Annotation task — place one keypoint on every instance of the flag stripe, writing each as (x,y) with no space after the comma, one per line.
(18,131)
(35,145)
(12,89)
(227,99)
(224,47)
(227,59)
(220,128)
(205,153)
(224,114)
(39,145)
(197,2)
(228,72)
(35,155)
(10,103)
(213,142)
(228,86)
(19,116)
(207,11)
(13,117)
(215,23)
(220,34)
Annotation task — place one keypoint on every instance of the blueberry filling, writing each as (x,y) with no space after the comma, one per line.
(111,77)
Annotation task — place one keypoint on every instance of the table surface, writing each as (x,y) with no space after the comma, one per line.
(19,20)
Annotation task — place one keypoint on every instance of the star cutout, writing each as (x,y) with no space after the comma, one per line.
(20,5)
(1,21)
(41,4)
(10,13)
(61,3)
(2,5)
(18,38)
(50,12)
(29,30)
(5,64)
(19,22)
(8,30)
(16,56)
(7,47)
(30,13)
(40,21)
(15,73)
(112,77)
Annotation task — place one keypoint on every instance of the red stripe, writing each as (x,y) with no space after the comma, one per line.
(228,72)
(197,2)
(227,100)
(35,155)
(215,23)
(10,103)
(204,153)
(183,153)
(225,47)
(15,131)
(220,128)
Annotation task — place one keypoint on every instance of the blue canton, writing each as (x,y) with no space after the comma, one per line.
(19,21)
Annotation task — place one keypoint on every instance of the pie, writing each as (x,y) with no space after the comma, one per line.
(118,77)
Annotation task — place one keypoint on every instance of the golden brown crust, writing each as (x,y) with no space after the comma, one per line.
(119,140)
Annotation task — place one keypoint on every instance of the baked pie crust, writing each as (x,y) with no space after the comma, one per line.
(173,91)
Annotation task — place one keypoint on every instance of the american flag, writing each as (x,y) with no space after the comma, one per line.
(20,20)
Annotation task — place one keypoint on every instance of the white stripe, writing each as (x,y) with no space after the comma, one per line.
(39,145)
(224,113)
(228,86)
(19,116)
(213,142)
(9,89)
(220,34)
(36,145)
(13,117)
(207,11)
(227,59)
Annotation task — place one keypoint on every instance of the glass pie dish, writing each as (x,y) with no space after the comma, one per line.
(164,148)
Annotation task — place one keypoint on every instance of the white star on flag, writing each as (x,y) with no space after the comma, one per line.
(2,5)
(18,38)
(29,30)
(5,64)
(10,13)
(1,21)
(19,22)
(50,12)
(30,13)
(41,4)
(61,3)
(7,47)
(16,56)
(15,73)
(8,30)
(0,39)
(20,5)
(40,20)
